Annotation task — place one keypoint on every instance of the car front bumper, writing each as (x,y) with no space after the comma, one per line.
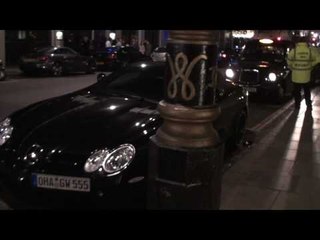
(36,67)
(17,191)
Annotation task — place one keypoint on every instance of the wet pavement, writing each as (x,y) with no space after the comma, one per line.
(281,170)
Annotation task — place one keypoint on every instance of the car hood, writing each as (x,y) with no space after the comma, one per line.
(85,121)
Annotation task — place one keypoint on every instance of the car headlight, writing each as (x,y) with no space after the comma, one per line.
(229,73)
(5,131)
(112,162)
(94,162)
(272,77)
(119,159)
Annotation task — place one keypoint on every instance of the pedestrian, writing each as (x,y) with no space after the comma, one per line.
(85,45)
(119,42)
(142,48)
(108,43)
(301,60)
(134,43)
(148,48)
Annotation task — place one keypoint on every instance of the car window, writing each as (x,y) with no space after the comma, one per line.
(146,83)
(71,51)
(64,51)
(45,50)
(256,51)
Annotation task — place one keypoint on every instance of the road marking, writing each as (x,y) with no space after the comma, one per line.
(272,117)
(258,127)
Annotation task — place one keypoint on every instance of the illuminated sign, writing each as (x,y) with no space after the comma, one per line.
(243,34)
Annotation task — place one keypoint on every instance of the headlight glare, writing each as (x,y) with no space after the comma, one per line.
(5,130)
(229,73)
(272,77)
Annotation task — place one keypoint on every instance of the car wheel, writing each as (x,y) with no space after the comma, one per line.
(57,69)
(91,68)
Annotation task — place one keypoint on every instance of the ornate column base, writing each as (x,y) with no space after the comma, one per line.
(187,127)
(185,159)
(184,178)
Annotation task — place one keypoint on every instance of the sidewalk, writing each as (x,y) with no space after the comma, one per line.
(281,170)
(13,72)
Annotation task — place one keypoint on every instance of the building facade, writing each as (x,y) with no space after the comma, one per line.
(15,43)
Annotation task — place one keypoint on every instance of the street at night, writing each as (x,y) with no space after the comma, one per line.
(159,119)
(19,91)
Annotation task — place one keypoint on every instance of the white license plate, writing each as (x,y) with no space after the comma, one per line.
(252,89)
(61,182)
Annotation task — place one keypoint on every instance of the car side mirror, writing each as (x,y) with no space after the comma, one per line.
(101,77)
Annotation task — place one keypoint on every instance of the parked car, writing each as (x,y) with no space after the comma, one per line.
(56,61)
(114,58)
(89,148)
(227,57)
(263,69)
(127,55)
(106,59)
(159,54)
(2,71)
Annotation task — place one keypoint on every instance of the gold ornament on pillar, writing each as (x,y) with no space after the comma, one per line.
(182,72)
(189,124)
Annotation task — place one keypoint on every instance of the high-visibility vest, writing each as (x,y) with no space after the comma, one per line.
(301,60)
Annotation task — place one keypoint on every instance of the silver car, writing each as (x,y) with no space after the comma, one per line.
(159,54)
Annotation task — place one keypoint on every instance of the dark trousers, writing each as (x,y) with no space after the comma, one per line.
(297,93)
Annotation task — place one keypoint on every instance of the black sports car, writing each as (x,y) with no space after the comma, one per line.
(262,69)
(90,148)
(56,61)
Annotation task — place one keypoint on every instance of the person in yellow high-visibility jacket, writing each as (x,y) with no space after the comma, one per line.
(301,60)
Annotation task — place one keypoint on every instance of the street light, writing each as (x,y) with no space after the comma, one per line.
(112,35)
(59,35)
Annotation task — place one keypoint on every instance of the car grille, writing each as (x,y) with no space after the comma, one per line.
(249,76)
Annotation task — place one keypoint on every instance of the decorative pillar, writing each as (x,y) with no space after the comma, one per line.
(185,155)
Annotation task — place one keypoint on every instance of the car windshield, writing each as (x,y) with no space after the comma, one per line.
(44,50)
(257,51)
(142,80)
